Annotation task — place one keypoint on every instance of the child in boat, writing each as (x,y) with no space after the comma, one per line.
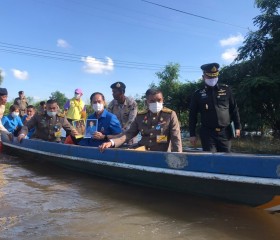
(30,113)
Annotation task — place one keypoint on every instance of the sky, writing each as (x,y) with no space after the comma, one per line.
(61,45)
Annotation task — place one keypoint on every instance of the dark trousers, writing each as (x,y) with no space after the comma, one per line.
(215,140)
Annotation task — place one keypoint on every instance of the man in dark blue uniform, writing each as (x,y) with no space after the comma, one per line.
(217,108)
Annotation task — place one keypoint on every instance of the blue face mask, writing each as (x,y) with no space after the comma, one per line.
(51,114)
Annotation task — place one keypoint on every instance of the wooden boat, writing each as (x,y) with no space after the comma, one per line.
(242,178)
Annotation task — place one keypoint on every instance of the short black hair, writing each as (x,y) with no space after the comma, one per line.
(97,93)
(42,103)
(20,92)
(14,107)
(152,92)
(51,101)
(30,106)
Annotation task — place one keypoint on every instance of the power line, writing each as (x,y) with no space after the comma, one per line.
(194,15)
(55,55)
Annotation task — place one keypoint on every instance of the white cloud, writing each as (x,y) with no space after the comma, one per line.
(231,41)
(230,54)
(95,66)
(62,43)
(36,98)
(2,72)
(22,75)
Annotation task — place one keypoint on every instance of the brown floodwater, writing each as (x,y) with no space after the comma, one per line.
(42,201)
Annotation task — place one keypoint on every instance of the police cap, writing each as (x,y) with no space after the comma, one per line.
(3,91)
(210,69)
(119,85)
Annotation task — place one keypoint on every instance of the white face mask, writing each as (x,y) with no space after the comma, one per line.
(51,114)
(97,107)
(77,96)
(155,107)
(14,114)
(211,81)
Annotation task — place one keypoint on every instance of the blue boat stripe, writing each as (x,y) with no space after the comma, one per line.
(203,175)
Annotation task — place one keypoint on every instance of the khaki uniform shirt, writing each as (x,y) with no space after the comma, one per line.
(126,112)
(159,131)
(47,128)
(22,103)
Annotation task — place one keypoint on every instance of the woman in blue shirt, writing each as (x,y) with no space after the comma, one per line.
(12,122)
(108,123)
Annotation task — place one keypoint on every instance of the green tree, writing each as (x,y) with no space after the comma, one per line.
(60,98)
(1,77)
(177,95)
(255,75)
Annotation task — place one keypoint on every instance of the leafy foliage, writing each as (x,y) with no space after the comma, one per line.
(59,97)
(1,77)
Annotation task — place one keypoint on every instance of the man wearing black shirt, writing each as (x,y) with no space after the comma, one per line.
(217,108)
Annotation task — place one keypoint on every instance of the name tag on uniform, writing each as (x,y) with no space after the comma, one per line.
(161,139)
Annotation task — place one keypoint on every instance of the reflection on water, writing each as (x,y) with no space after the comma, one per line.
(40,201)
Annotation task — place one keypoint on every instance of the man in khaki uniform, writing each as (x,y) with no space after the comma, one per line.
(21,101)
(125,108)
(158,126)
(48,125)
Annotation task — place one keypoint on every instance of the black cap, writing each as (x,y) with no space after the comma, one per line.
(118,85)
(211,69)
(3,91)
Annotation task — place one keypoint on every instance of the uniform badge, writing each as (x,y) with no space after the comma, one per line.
(161,139)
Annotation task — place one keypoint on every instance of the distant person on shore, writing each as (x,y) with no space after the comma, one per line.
(21,101)
(75,108)
(217,108)
(125,108)
(158,126)
(42,107)
(12,122)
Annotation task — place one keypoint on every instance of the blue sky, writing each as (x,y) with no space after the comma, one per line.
(99,42)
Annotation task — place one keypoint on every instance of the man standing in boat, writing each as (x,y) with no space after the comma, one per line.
(48,126)
(125,108)
(158,126)
(217,108)
(21,101)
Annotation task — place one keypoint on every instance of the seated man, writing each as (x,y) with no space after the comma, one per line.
(159,127)
(48,125)
(29,114)
(108,124)
(12,121)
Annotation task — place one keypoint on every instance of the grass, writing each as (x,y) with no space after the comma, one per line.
(262,145)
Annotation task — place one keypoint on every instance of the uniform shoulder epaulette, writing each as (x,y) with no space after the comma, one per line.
(61,114)
(166,110)
(142,112)
(224,85)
